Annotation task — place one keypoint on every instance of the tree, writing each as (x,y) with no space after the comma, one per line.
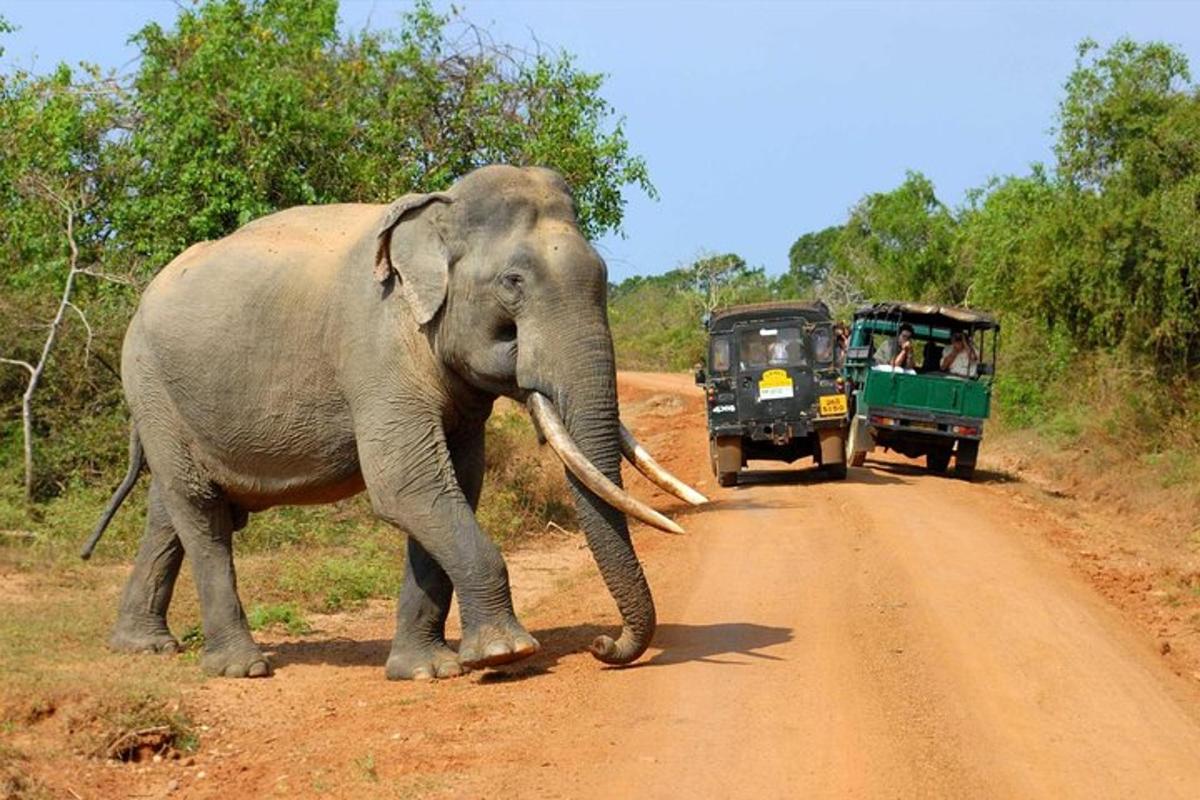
(240,108)
(811,258)
(53,132)
(248,106)
(1113,101)
(899,245)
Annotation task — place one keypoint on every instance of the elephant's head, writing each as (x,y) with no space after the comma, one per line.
(515,300)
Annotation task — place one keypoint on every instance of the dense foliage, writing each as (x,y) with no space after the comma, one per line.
(1101,250)
(656,320)
(1092,262)
(240,108)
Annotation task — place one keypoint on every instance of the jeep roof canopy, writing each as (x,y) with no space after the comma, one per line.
(920,313)
(723,319)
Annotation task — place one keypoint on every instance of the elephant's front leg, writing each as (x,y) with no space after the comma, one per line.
(419,650)
(414,485)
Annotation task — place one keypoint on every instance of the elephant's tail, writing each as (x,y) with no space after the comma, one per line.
(137,461)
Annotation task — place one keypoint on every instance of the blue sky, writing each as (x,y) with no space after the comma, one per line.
(759,121)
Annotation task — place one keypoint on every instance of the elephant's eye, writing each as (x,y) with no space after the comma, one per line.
(513,282)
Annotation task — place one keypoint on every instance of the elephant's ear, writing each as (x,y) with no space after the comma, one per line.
(410,246)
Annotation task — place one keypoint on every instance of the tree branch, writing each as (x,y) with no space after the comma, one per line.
(87,347)
(105,276)
(18,363)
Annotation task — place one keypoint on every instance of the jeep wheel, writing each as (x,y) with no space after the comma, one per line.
(835,472)
(727,459)
(964,459)
(855,456)
(937,461)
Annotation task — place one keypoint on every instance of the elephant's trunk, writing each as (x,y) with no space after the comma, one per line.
(587,402)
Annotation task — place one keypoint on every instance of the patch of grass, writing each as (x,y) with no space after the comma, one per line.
(286,615)
(524,488)
(1064,426)
(366,768)
(341,581)
(133,728)
(15,781)
(192,639)
(1174,467)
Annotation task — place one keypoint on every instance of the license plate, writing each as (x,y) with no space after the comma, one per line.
(775,384)
(832,405)
(931,426)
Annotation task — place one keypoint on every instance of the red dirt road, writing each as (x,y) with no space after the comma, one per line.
(895,635)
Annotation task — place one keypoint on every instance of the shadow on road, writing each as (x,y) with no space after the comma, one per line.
(338,652)
(914,469)
(730,643)
(715,643)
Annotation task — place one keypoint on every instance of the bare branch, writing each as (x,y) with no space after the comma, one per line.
(19,363)
(123,280)
(36,370)
(87,347)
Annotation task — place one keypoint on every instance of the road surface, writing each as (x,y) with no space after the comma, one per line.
(895,635)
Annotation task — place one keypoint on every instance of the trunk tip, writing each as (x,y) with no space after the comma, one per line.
(611,652)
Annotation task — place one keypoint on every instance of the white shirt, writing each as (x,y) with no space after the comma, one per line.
(962,364)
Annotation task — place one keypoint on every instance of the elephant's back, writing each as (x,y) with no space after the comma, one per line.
(309,242)
(238,340)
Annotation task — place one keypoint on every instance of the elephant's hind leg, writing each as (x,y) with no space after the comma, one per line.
(205,526)
(419,651)
(142,618)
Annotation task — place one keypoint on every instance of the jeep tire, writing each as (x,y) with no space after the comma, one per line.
(965,457)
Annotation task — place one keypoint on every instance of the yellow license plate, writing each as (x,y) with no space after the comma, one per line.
(775,384)
(832,405)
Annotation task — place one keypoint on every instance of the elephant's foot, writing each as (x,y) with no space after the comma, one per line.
(494,644)
(422,663)
(132,635)
(242,659)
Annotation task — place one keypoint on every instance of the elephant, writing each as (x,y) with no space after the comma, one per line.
(326,350)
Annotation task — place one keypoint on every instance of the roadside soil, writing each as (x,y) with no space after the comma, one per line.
(892,635)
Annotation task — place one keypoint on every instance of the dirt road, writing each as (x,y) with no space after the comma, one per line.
(895,635)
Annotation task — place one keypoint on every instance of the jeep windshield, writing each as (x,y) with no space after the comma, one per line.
(771,347)
(784,347)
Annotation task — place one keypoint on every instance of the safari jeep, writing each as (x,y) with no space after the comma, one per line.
(772,388)
(932,407)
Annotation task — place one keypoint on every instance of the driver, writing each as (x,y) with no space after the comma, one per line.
(779,352)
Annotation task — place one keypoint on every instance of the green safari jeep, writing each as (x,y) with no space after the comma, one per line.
(920,383)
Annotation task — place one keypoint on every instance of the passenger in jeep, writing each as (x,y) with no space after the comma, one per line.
(962,359)
(905,356)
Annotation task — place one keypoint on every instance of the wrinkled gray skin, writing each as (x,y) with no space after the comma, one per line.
(323,350)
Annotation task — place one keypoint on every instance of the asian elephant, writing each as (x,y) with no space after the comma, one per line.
(321,351)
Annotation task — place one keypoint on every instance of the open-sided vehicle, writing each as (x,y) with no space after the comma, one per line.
(773,389)
(935,405)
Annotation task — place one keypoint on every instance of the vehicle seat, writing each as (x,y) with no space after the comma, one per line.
(931,360)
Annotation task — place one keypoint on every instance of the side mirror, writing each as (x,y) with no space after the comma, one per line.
(701,377)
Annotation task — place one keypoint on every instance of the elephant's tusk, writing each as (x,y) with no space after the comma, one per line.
(560,440)
(646,464)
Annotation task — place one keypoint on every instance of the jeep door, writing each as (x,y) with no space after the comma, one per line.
(774,371)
